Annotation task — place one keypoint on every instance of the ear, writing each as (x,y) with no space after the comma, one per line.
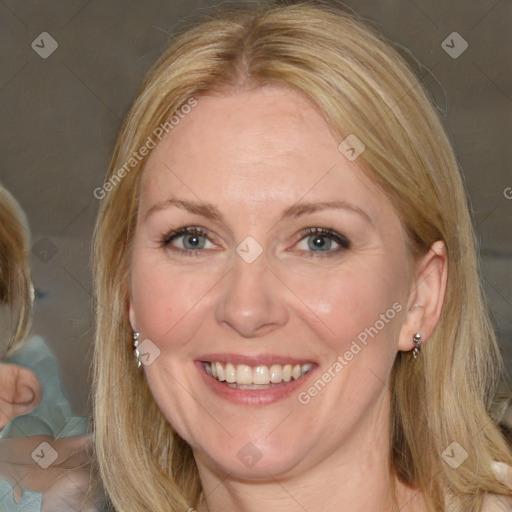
(131,314)
(20,392)
(426,297)
(129,306)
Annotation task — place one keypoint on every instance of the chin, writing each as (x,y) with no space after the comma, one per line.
(252,463)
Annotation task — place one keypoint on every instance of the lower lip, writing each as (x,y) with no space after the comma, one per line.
(267,396)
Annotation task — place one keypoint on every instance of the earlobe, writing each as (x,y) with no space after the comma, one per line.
(426,297)
(412,325)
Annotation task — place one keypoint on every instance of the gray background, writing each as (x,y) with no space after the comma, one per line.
(60,117)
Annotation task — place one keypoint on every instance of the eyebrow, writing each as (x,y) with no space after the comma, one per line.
(203,209)
(210,211)
(301,208)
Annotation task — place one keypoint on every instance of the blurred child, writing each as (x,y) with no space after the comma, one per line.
(44,459)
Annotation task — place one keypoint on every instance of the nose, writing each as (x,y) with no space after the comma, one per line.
(253,299)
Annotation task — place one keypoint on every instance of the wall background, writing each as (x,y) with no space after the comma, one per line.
(61,114)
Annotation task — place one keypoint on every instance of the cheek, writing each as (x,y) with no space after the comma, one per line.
(169,306)
(165,300)
(354,303)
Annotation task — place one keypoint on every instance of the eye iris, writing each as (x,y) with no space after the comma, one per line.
(319,242)
(193,241)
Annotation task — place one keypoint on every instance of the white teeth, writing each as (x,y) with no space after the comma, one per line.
(243,374)
(258,377)
(276,373)
(220,372)
(297,371)
(230,373)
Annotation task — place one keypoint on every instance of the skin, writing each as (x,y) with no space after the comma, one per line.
(20,392)
(253,154)
(20,389)
(64,483)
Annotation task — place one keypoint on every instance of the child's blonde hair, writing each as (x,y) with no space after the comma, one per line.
(16,290)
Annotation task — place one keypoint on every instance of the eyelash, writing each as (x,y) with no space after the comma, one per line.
(340,239)
(187,230)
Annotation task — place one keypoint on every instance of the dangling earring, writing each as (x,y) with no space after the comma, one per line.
(416,350)
(136,351)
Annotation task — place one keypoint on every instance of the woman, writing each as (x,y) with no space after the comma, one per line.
(280,240)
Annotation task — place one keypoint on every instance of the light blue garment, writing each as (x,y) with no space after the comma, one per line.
(31,501)
(53,416)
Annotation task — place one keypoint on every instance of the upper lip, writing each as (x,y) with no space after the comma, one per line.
(253,360)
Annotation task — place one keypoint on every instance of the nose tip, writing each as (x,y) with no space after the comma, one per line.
(252,303)
(249,325)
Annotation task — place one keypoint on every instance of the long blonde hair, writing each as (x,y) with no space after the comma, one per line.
(363,87)
(15,283)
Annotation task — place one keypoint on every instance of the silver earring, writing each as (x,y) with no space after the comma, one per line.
(136,345)
(416,350)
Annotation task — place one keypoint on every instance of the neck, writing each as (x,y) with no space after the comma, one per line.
(314,493)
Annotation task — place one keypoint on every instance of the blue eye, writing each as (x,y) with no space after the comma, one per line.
(194,241)
(188,239)
(191,240)
(321,240)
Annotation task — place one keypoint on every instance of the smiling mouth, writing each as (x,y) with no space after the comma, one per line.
(255,377)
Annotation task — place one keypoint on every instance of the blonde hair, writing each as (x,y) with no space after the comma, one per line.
(362,87)
(15,283)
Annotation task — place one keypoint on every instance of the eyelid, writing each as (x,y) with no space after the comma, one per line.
(185,230)
(166,240)
(343,242)
(327,232)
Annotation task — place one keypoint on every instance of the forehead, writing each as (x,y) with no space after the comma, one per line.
(264,145)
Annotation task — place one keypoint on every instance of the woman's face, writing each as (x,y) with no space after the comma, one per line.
(262,250)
